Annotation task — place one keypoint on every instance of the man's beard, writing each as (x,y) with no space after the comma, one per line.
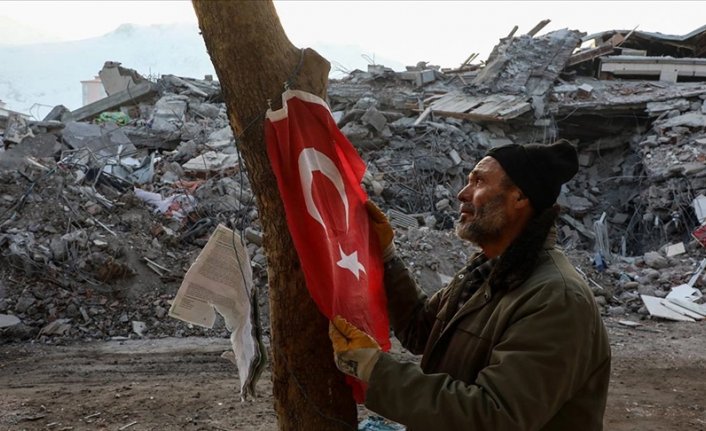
(487,223)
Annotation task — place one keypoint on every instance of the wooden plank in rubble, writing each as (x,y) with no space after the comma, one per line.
(455,102)
(589,54)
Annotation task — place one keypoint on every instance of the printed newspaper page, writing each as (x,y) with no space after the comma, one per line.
(221,279)
(218,278)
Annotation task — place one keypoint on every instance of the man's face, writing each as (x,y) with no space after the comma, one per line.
(484,203)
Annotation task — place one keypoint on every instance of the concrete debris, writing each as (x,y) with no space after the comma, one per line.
(680,303)
(211,161)
(116,79)
(7,320)
(16,129)
(664,68)
(104,208)
(662,308)
(675,249)
(127,99)
(168,113)
(139,328)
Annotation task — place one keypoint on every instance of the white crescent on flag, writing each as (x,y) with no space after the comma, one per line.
(311,160)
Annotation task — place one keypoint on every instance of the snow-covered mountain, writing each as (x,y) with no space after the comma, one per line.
(13,32)
(35,78)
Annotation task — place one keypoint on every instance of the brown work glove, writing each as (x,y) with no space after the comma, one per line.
(355,352)
(383,230)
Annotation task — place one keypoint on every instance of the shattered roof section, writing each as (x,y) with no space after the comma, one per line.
(618,97)
(692,44)
(520,69)
(528,65)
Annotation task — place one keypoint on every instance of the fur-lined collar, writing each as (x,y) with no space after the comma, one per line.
(518,262)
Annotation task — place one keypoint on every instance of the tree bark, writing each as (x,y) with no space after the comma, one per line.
(253,57)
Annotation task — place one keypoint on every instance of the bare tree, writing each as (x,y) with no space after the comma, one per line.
(253,58)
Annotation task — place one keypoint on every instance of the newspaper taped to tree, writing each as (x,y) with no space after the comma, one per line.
(221,279)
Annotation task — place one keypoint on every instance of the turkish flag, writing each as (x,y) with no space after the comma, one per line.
(319,173)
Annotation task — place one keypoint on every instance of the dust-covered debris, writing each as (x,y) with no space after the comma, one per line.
(103,209)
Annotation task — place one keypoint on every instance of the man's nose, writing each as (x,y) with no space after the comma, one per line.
(465,193)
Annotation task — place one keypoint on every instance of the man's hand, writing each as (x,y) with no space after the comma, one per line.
(355,352)
(383,230)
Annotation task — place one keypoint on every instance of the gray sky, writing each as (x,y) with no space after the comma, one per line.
(440,32)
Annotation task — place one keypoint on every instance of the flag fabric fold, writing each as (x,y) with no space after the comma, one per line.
(318,173)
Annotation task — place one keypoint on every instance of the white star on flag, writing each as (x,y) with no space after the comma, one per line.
(350,262)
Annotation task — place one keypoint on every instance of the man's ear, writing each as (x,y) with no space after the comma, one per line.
(521,200)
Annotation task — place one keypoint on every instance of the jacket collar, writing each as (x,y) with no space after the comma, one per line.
(512,268)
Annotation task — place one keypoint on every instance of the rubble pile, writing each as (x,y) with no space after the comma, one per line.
(100,221)
(103,209)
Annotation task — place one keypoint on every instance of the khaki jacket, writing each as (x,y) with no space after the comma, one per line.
(528,351)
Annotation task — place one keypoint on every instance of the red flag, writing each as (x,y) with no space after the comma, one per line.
(319,173)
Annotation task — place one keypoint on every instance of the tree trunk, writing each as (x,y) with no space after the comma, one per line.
(253,57)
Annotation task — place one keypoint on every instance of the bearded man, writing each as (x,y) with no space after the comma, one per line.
(515,341)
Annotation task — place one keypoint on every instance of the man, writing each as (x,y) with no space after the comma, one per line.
(515,341)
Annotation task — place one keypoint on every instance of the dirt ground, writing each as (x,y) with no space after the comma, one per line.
(658,383)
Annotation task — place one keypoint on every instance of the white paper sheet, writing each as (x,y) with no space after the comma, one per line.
(221,278)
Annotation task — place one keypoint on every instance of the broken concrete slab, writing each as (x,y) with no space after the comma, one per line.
(169,113)
(129,97)
(675,249)
(40,146)
(374,118)
(222,134)
(7,320)
(204,88)
(146,137)
(655,306)
(684,292)
(658,108)
(117,79)
(689,305)
(359,135)
(205,110)
(105,139)
(56,113)
(621,97)
(211,161)
(668,303)
(689,119)
(666,68)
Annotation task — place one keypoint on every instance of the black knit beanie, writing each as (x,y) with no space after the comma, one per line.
(538,170)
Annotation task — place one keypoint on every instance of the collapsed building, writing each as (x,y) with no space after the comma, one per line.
(103,208)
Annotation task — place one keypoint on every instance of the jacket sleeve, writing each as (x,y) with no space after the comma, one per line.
(412,313)
(533,370)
